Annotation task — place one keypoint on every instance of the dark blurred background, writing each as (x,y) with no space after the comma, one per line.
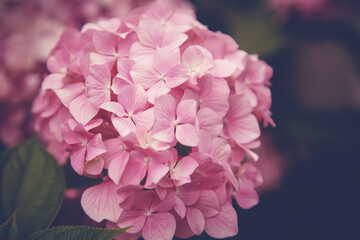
(316,107)
(314,149)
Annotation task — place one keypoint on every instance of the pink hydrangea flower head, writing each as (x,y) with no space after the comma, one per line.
(166,113)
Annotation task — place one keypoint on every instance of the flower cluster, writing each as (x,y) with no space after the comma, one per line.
(165,111)
(28,32)
(307,8)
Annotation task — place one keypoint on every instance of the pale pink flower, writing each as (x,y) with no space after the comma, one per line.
(116,157)
(130,110)
(198,61)
(160,74)
(181,170)
(175,121)
(149,215)
(165,112)
(254,82)
(211,93)
(250,178)
(83,146)
(152,36)
(149,163)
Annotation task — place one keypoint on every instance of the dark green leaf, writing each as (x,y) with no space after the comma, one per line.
(32,185)
(8,230)
(76,233)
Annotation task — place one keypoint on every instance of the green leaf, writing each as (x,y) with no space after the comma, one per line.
(32,185)
(76,233)
(8,230)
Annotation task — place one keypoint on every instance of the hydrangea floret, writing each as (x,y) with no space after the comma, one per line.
(166,113)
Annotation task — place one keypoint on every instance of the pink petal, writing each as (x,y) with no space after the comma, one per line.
(69,92)
(242,126)
(95,147)
(145,118)
(58,61)
(77,160)
(139,52)
(247,196)
(115,148)
(118,84)
(71,137)
(94,167)
(162,10)
(123,126)
(173,39)
(180,208)
(135,169)
(98,84)
(239,106)
(100,59)
(244,130)
(117,166)
(208,203)
(133,98)
(143,73)
(193,56)
(101,202)
(124,45)
(165,204)
(224,224)
(53,81)
(164,111)
(136,219)
(156,171)
(114,107)
(124,65)
(209,122)
(166,58)
(189,194)
(176,76)
(222,68)
(221,150)
(158,89)
(93,124)
(159,226)
(105,42)
(186,111)
(82,110)
(187,135)
(150,33)
(184,168)
(214,94)
(196,220)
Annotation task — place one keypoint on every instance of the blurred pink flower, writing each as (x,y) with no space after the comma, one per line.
(164,111)
(272,164)
(29,31)
(307,8)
